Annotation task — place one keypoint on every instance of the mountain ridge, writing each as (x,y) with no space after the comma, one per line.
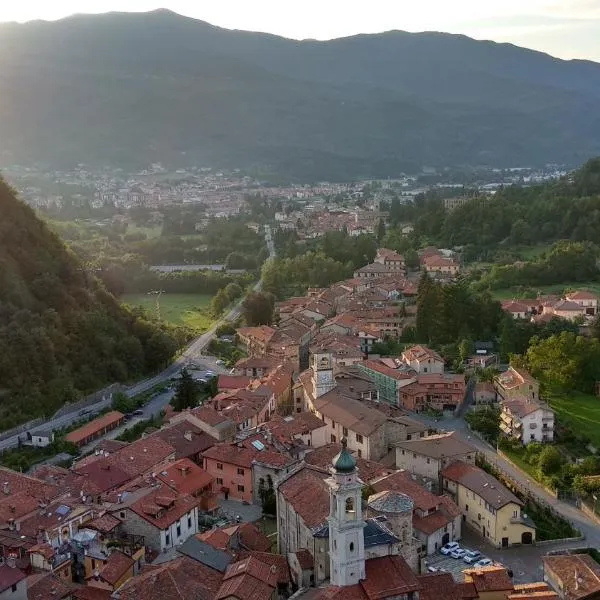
(377,102)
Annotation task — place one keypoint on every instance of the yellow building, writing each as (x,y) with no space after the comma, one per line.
(488,507)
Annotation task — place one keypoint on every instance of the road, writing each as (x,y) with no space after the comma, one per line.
(589,528)
(192,354)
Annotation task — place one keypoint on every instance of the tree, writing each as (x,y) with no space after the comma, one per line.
(219,302)
(550,461)
(266,493)
(486,421)
(411,259)
(380,230)
(233,291)
(187,393)
(257,308)
(122,403)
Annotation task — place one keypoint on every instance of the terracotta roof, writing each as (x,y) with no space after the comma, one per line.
(244,456)
(104,524)
(10,576)
(466,591)
(185,476)
(438,446)
(233,382)
(288,428)
(103,475)
(262,333)
(17,483)
(485,386)
(256,362)
(186,438)
(116,567)
(163,506)
(483,484)
(448,506)
(180,579)
(322,457)
(91,593)
(16,506)
(514,377)
(45,549)
(578,575)
(308,494)
(568,306)
(521,407)
(209,415)
(435,586)
(275,560)
(349,412)
(489,579)
(393,372)
(388,576)
(217,538)
(581,295)
(248,579)
(110,419)
(110,446)
(512,306)
(46,586)
(401,481)
(431,523)
(305,559)
(249,535)
(420,352)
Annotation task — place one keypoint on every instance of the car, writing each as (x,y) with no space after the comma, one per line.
(458,553)
(220,362)
(472,556)
(449,547)
(138,413)
(484,562)
(202,380)
(433,569)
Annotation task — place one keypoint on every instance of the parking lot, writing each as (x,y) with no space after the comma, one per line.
(524,561)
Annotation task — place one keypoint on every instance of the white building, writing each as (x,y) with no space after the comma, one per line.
(527,420)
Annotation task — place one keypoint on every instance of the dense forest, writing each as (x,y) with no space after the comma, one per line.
(61,332)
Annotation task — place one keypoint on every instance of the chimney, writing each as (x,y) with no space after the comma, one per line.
(11,524)
(6,488)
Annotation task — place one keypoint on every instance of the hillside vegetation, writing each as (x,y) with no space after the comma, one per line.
(128,89)
(61,332)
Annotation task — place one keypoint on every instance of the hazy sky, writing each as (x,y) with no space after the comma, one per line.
(567,28)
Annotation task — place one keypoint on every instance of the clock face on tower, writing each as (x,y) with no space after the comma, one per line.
(324,377)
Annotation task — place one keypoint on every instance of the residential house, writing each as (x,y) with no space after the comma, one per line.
(217,425)
(441,265)
(186,438)
(423,360)
(44,557)
(163,516)
(255,367)
(587,300)
(238,539)
(442,392)
(573,576)
(428,456)
(299,429)
(389,376)
(518,310)
(516,383)
(95,429)
(532,591)
(371,271)
(249,579)
(485,393)
(489,508)
(117,570)
(246,408)
(46,586)
(229,383)
(256,340)
(345,350)
(40,438)
(490,583)
(301,565)
(527,420)
(566,309)
(341,324)
(390,258)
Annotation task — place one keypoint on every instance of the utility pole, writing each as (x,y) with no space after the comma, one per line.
(157,294)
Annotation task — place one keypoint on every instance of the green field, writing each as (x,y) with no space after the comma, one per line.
(580,412)
(149,232)
(191,310)
(515,292)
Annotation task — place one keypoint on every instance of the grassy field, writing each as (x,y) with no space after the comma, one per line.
(191,310)
(149,232)
(508,293)
(580,412)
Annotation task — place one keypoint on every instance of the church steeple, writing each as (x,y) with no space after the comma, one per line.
(322,373)
(346,523)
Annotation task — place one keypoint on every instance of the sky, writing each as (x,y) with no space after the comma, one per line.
(567,28)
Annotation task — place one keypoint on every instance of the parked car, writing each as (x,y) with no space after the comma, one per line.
(432,569)
(138,413)
(449,547)
(458,553)
(472,556)
(484,562)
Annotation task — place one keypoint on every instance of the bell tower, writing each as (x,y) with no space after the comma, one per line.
(346,523)
(322,369)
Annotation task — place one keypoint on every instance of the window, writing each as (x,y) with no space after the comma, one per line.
(414,455)
(428,461)
(240,471)
(467,507)
(13,587)
(403,453)
(479,517)
(351,546)
(167,539)
(332,438)
(178,530)
(359,438)
(122,514)
(240,488)
(219,481)
(359,453)
(220,466)
(189,521)
(345,431)
(332,423)
(350,506)
(93,565)
(515,514)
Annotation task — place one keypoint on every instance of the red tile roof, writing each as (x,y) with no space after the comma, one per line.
(209,415)
(185,476)
(180,579)
(322,457)
(91,593)
(431,523)
(388,576)
(288,428)
(244,456)
(233,382)
(277,560)
(104,524)
(116,567)
(248,579)
(16,483)
(435,586)
(308,494)
(10,576)
(186,438)
(489,579)
(110,420)
(401,481)
(305,559)
(163,506)
(466,591)
(46,586)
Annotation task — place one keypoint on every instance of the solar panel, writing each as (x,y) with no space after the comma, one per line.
(258,445)
(63,510)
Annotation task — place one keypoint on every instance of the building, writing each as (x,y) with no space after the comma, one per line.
(490,583)
(427,456)
(13,582)
(443,392)
(249,579)
(516,383)
(95,429)
(441,265)
(117,570)
(585,299)
(423,360)
(527,420)
(389,378)
(255,367)
(208,419)
(518,310)
(573,576)
(488,507)
(40,438)
(485,393)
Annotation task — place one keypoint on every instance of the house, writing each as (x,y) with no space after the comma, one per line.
(13,582)
(46,586)
(390,258)
(389,377)
(117,570)
(441,265)
(489,508)
(585,299)
(249,579)
(516,383)
(345,350)
(566,309)
(527,420)
(532,591)
(239,538)
(44,557)
(490,583)
(301,565)
(40,438)
(518,310)
(186,438)
(255,367)
(445,391)
(300,428)
(209,420)
(427,456)
(482,360)
(246,408)
(228,383)
(573,576)
(485,393)
(95,428)
(341,324)
(372,271)
(423,360)
(164,517)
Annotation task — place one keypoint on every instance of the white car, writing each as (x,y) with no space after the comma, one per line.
(220,362)
(449,547)
(472,556)
(458,553)
(484,562)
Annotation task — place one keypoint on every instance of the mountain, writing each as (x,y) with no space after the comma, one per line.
(126,89)
(61,333)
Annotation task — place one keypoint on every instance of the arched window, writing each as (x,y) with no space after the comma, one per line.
(350,506)
(351,546)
